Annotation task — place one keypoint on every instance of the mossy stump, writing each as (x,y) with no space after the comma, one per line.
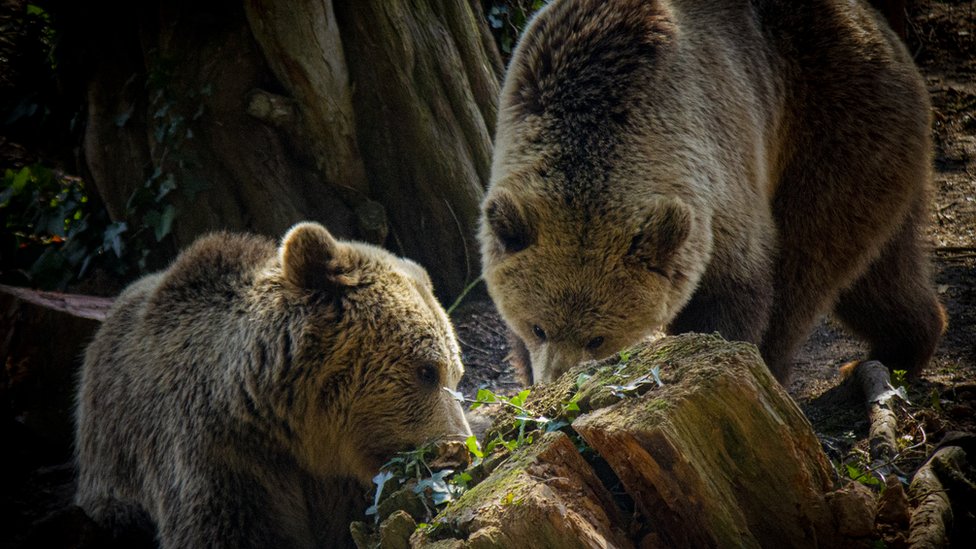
(719,456)
(715,455)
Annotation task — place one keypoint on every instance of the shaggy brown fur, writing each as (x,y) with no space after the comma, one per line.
(246,396)
(728,165)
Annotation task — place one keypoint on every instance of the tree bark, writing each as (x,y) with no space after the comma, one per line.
(374,118)
(425,100)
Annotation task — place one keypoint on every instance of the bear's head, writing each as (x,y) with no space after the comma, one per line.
(377,350)
(574,289)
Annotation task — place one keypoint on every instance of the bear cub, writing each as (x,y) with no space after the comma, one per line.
(730,166)
(245,396)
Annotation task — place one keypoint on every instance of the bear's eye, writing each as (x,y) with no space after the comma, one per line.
(594,343)
(539,332)
(428,375)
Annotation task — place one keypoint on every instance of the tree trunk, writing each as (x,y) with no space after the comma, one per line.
(425,101)
(374,118)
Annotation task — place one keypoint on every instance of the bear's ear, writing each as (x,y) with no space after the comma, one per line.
(509,224)
(664,230)
(312,259)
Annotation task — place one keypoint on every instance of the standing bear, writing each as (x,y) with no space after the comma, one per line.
(739,166)
(245,396)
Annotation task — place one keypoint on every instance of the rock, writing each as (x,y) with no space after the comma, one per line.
(893,509)
(396,530)
(854,509)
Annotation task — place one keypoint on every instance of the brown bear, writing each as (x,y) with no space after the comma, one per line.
(732,165)
(245,396)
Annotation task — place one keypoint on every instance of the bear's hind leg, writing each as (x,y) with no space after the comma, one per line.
(737,308)
(894,306)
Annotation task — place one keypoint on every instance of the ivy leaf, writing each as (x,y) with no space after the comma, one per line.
(111,238)
(484,396)
(582,378)
(556,425)
(472,443)
(519,399)
(380,481)
(165,225)
(539,419)
(440,491)
(167,186)
(20,180)
(124,117)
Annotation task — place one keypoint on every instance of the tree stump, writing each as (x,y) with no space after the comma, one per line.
(717,455)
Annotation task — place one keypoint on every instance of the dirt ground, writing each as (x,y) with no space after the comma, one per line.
(941,36)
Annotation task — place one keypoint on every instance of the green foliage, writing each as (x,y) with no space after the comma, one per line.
(899,378)
(50,229)
(53,234)
(508,18)
(857,473)
(525,422)
(434,489)
(411,470)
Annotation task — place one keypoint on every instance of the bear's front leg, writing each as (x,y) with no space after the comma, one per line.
(226,509)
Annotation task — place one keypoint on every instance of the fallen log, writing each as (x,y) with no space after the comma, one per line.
(42,339)
(82,306)
(875,382)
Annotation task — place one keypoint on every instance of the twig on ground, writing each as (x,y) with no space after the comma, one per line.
(875,382)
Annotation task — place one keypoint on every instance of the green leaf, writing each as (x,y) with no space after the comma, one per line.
(582,378)
(538,419)
(472,443)
(111,238)
(124,116)
(556,425)
(165,225)
(519,399)
(167,186)
(20,180)
(656,374)
(484,396)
